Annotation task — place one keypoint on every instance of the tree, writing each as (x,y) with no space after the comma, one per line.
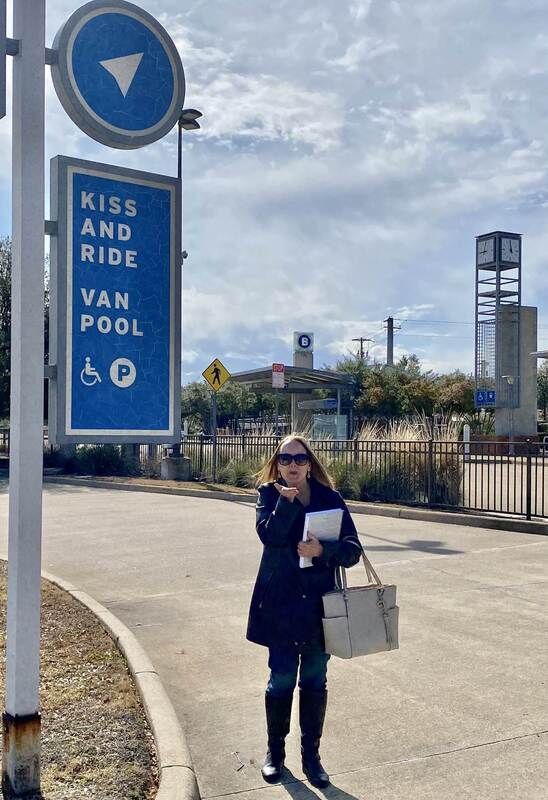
(395,391)
(196,406)
(234,400)
(5,322)
(455,392)
(542,388)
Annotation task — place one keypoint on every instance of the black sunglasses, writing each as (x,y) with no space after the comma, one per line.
(300,459)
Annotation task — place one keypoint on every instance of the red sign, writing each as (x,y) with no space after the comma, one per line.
(278,376)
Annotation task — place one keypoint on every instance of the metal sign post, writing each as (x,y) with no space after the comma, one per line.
(216,375)
(120,78)
(21,720)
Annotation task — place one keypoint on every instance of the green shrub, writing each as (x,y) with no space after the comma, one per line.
(482,423)
(238,473)
(54,458)
(343,475)
(102,459)
(151,468)
(446,488)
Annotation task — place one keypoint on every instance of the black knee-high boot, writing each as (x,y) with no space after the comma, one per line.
(278,720)
(312,707)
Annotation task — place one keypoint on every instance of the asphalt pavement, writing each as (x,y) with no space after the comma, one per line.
(459,711)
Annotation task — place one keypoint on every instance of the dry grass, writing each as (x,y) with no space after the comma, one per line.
(409,429)
(96,742)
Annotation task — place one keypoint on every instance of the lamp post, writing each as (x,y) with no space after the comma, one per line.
(188,122)
(510,381)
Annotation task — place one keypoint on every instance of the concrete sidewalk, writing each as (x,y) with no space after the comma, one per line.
(460,711)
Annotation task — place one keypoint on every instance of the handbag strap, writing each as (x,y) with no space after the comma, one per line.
(372,577)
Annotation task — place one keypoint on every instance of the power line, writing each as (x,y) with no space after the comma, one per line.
(361,340)
(436,321)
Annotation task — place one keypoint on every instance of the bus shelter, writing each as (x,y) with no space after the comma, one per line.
(299,383)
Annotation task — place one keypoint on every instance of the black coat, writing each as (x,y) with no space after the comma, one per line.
(286,606)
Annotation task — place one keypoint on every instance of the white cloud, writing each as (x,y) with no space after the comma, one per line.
(362,50)
(346,161)
(359,9)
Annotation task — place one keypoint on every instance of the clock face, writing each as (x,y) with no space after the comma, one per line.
(509,250)
(485,251)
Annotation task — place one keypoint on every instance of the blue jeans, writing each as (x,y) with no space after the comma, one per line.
(284,664)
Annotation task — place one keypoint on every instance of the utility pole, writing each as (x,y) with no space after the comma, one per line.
(390,341)
(361,340)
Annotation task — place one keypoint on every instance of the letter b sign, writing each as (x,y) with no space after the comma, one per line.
(303,342)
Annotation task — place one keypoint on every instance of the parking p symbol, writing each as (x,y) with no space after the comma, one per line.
(123,373)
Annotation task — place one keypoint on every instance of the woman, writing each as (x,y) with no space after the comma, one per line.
(286,607)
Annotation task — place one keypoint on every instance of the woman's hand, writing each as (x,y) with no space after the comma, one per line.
(310,549)
(289,492)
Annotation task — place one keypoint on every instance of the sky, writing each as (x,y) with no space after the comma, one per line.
(350,153)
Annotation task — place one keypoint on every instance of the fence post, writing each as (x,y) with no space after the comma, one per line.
(528,481)
(355,448)
(430,472)
(466,440)
(201,456)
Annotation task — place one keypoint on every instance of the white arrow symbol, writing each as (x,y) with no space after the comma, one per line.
(123,69)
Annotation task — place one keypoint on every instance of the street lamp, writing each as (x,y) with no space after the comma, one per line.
(188,121)
(510,380)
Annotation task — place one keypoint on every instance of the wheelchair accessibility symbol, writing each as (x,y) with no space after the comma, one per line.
(89,375)
(123,373)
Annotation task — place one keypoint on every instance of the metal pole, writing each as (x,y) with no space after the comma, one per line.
(176,449)
(528,481)
(390,342)
(21,721)
(430,474)
(214,431)
(466,440)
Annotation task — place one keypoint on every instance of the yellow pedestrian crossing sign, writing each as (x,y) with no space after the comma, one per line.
(216,375)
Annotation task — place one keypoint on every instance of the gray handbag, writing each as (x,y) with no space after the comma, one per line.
(361,619)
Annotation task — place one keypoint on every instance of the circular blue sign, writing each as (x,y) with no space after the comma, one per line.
(304,341)
(118,74)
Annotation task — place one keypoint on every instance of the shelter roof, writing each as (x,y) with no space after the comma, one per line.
(297,379)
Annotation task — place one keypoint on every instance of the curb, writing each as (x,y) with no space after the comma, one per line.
(469,519)
(97,483)
(177,776)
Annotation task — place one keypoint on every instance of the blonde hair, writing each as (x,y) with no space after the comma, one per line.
(269,472)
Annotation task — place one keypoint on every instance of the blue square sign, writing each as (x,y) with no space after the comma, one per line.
(485,398)
(116,303)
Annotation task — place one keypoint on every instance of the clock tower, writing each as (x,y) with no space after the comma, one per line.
(498,311)
(506,335)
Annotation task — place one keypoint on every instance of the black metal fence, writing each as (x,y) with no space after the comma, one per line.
(498,477)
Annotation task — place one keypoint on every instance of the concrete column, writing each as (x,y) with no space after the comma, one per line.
(520,421)
(301,420)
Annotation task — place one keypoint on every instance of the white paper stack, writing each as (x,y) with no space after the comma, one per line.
(324,525)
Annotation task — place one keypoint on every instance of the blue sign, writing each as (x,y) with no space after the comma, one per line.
(485,397)
(118,74)
(116,298)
